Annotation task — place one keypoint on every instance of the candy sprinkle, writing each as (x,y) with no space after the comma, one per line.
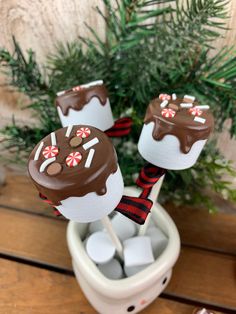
(168,113)
(164,97)
(38,151)
(90,158)
(195,111)
(203,107)
(91,143)
(201,120)
(73,159)
(50,151)
(188,98)
(164,104)
(83,132)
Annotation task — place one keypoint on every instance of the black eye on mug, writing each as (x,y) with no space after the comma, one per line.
(130,308)
(164,281)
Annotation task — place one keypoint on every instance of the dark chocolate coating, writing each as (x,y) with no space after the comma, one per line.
(182,125)
(78,99)
(78,180)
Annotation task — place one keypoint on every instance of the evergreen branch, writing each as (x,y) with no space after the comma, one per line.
(24,74)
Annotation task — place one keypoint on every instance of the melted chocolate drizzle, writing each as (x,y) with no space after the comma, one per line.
(76,181)
(78,99)
(182,125)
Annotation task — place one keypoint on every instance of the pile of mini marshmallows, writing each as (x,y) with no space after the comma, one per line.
(139,251)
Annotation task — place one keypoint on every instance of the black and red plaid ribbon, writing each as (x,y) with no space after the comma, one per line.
(149,175)
(121,127)
(135,208)
(47,201)
(138,208)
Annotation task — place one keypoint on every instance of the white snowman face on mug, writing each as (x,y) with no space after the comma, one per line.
(142,300)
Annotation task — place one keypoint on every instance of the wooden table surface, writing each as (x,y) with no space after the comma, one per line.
(35,266)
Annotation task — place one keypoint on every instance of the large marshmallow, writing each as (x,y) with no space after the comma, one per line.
(93,113)
(166,153)
(92,206)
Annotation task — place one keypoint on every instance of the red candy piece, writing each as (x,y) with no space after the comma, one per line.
(50,151)
(168,113)
(164,97)
(73,159)
(83,132)
(195,111)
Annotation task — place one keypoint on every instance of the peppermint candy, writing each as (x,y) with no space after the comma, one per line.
(73,159)
(50,151)
(77,88)
(168,113)
(83,132)
(195,111)
(164,97)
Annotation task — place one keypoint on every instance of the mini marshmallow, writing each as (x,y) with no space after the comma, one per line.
(132,270)
(112,270)
(159,240)
(100,248)
(138,251)
(123,227)
(95,226)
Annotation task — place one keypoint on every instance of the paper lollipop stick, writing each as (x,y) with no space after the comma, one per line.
(114,238)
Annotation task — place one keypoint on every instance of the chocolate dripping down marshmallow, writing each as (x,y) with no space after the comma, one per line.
(72,161)
(182,117)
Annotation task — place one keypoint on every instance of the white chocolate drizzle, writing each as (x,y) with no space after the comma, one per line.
(89,158)
(53,139)
(38,151)
(164,104)
(46,163)
(69,129)
(201,120)
(91,143)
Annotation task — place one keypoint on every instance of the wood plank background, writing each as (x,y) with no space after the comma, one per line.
(41,24)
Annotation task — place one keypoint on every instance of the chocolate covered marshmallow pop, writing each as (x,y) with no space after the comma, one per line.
(76,169)
(174,133)
(85,104)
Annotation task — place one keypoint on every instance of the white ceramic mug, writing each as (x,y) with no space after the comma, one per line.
(129,295)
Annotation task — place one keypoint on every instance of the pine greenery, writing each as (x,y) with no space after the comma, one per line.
(146,51)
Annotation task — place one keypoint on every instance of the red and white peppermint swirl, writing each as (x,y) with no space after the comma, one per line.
(164,97)
(73,159)
(50,151)
(195,111)
(77,88)
(168,113)
(83,132)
